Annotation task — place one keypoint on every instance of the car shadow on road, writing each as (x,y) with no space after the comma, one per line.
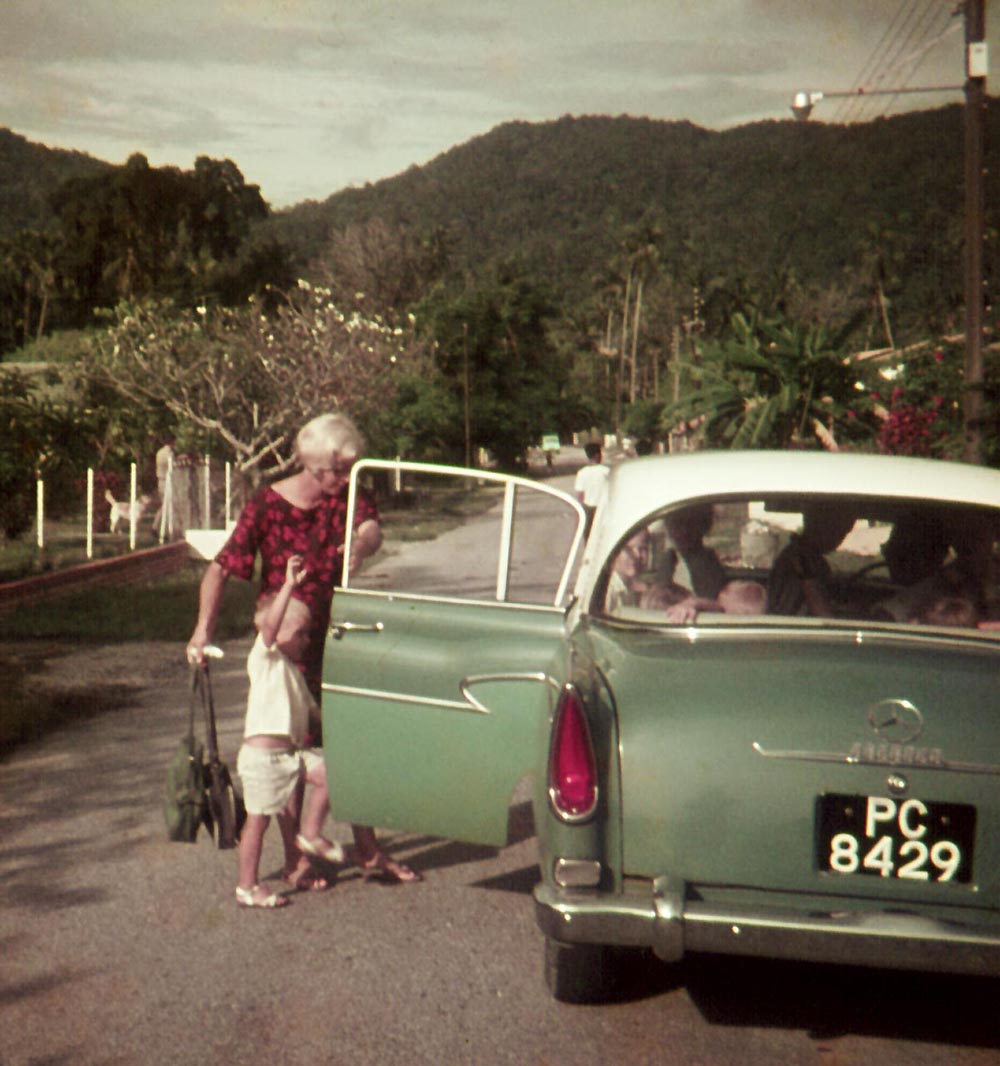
(836,1001)
(521,882)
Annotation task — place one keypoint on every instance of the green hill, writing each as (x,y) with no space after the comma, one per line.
(750,204)
(29,173)
(757,209)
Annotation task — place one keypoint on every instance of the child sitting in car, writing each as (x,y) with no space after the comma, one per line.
(678,605)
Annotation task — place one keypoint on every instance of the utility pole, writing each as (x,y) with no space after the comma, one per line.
(976,63)
(466,398)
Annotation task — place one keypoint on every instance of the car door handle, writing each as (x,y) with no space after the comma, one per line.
(338,629)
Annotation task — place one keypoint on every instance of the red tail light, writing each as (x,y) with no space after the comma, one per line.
(572,768)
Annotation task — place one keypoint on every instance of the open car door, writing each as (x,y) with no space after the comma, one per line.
(445,653)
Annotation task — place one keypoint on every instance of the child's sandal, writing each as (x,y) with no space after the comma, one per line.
(248,897)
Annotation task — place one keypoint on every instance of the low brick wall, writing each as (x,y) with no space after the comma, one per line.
(135,566)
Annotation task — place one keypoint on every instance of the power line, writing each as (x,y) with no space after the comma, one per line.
(872,63)
(915,12)
(917,27)
(916,56)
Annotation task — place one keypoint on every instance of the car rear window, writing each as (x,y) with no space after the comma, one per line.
(908,562)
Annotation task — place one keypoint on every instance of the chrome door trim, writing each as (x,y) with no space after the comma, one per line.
(893,758)
(399,697)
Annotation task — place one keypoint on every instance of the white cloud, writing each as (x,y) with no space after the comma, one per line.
(307,96)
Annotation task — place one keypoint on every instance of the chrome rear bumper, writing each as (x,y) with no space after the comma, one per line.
(671,927)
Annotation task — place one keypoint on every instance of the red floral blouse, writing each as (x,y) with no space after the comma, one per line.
(275,529)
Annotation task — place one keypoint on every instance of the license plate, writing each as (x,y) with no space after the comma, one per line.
(905,838)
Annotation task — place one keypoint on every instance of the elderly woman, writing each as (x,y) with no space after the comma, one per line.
(304,514)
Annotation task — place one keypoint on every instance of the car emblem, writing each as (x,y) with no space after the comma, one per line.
(896,721)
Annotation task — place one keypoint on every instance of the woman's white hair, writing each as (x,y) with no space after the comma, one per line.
(329,435)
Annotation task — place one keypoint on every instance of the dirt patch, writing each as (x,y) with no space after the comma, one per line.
(45,683)
(56,666)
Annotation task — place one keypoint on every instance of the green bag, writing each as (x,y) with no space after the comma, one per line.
(185,804)
(200,789)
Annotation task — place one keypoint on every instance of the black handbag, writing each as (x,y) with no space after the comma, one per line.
(200,789)
(226,812)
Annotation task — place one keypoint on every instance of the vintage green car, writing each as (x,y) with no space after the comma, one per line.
(758,712)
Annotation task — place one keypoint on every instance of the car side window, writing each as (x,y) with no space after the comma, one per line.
(817,557)
(465,536)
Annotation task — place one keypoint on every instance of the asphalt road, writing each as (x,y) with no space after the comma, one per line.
(119,948)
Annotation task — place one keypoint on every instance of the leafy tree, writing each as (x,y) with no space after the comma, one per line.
(43,439)
(388,267)
(29,284)
(141,232)
(770,385)
(643,422)
(492,345)
(244,381)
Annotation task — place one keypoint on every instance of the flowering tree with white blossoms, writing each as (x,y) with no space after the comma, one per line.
(249,378)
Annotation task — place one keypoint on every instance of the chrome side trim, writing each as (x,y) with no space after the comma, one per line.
(894,755)
(467,682)
(399,697)
(771,627)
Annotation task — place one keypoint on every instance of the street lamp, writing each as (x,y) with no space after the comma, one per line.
(976,65)
(803,102)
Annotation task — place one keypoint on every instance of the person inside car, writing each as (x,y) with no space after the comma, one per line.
(801,578)
(689,562)
(735,597)
(627,583)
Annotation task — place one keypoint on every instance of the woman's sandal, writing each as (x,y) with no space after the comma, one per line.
(382,868)
(248,897)
(321,848)
(307,880)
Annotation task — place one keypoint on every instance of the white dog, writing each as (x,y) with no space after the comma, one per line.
(121,510)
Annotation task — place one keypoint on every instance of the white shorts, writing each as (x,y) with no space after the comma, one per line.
(269,778)
(313,763)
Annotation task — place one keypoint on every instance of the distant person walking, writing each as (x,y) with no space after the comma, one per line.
(165,459)
(590,483)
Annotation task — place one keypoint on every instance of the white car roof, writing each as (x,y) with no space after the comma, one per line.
(638,487)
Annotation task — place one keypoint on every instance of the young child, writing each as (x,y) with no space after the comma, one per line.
(271,762)
(954,611)
(735,597)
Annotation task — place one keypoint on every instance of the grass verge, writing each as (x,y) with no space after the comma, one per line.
(163,609)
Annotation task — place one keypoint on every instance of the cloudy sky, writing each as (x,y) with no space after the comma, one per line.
(310,96)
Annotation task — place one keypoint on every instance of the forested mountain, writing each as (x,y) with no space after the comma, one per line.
(29,174)
(809,217)
(599,272)
(753,208)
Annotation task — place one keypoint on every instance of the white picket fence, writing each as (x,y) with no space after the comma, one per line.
(196,498)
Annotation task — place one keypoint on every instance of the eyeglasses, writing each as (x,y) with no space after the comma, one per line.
(340,470)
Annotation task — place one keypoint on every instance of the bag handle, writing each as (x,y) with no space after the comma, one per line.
(202,686)
(191,705)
